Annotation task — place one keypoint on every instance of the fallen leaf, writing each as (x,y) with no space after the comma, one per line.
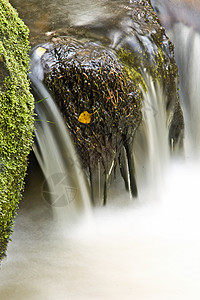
(85,117)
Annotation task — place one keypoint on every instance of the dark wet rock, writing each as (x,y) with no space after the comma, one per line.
(100,103)
(102,84)
(89,78)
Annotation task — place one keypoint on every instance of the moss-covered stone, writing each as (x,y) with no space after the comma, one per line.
(99,100)
(98,88)
(144,48)
(147,49)
(86,77)
(16,116)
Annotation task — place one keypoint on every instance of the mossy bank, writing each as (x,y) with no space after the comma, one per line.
(16,116)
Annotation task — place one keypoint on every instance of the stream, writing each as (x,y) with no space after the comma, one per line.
(147,249)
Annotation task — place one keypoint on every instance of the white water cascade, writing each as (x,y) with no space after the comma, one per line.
(182,21)
(145,250)
(151,151)
(187,51)
(64,188)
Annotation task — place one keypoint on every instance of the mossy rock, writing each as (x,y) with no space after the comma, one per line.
(101,84)
(16,117)
(140,46)
(144,48)
(87,80)
(99,102)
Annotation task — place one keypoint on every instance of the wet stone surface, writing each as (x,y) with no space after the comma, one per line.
(95,72)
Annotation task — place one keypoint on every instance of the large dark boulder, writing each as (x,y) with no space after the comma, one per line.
(88,79)
(97,82)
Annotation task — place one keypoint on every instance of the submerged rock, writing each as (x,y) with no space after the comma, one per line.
(99,89)
(16,117)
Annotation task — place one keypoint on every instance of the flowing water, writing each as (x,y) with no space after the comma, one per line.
(183,29)
(65,188)
(148,249)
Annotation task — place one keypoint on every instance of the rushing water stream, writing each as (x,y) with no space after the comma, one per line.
(148,249)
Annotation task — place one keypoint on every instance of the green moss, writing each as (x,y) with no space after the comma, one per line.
(159,67)
(132,65)
(16,116)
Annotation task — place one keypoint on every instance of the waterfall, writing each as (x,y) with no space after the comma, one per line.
(146,249)
(182,21)
(187,52)
(65,188)
(151,145)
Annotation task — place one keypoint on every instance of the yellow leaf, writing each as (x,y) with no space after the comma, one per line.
(40,51)
(85,117)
